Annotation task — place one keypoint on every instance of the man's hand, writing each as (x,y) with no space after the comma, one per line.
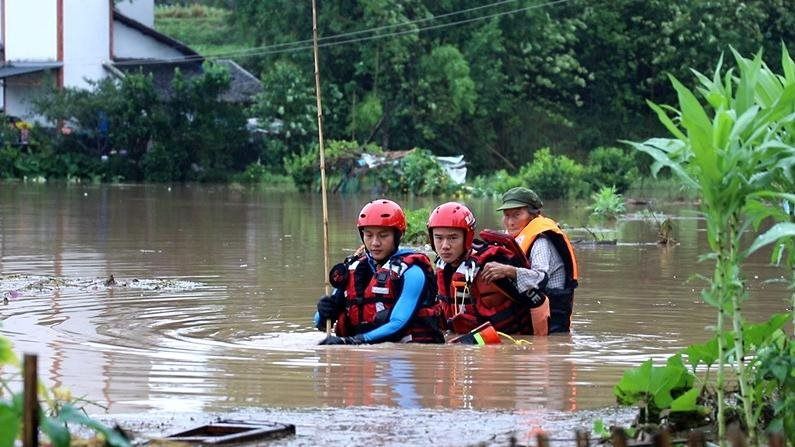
(494,271)
(329,308)
(334,340)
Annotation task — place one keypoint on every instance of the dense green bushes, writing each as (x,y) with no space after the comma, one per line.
(558,176)
(124,130)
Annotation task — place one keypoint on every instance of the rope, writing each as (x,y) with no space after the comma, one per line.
(513,340)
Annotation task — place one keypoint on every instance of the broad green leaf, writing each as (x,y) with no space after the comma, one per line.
(686,402)
(706,353)
(667,122)
(649,383)
(757,334)
(788,65)
(9,425)
(58,433)
(775,233)
(699,131)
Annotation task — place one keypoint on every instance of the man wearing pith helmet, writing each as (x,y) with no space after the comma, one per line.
(553,265)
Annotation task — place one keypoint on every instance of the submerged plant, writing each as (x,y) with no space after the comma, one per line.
(608,204)
(734,143)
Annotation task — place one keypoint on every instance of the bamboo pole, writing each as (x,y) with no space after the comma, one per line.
(322,157)
(30,412)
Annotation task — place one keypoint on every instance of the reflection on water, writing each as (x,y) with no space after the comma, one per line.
(242,336)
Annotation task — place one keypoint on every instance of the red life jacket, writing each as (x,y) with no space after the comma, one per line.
(370,297)
(468,301)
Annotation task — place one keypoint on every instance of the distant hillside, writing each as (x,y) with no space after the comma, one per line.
(203,28)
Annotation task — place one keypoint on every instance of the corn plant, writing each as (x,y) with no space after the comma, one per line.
(731,143)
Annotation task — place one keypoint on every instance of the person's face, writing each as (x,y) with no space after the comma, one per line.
(515,219)
(449,243)
(379,241)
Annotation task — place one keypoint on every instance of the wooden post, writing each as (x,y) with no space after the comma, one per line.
(619,438)
(736,437)
(695,439)
(776,440)
(583,438)
(543,441)
(30,413)
(322,157)
(662,438)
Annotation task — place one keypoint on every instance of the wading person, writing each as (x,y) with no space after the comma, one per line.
(467,298)
(553,265)
(385,293)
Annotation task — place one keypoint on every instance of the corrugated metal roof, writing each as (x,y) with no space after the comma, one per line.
(10,69)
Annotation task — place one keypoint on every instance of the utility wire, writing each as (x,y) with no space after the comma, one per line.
(274,49)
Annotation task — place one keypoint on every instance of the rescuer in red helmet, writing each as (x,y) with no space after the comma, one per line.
(385,293)
(466,299)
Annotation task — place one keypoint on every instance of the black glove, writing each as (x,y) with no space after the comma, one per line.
(329,308)
(334,340)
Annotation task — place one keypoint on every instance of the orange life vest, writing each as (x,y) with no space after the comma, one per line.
(561,300)
(469,302)
(370,297)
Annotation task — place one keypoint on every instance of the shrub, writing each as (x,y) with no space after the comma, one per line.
(554,176)
(607,204)
(494,184)
(416,229)
(417,173)
(612,166)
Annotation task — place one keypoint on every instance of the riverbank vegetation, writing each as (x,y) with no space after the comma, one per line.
(60,412)
(733,141)
(517,87)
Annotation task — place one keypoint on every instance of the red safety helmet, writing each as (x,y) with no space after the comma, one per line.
(382,213)
(453,215)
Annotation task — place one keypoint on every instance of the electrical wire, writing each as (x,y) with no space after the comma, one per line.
(269,50)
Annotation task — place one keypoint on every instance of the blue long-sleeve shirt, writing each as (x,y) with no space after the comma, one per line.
(406,306)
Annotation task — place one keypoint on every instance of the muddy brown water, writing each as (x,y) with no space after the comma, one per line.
(215,288)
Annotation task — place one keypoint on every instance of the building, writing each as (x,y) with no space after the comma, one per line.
(68,43)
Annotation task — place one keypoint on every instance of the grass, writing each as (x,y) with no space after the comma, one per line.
(203,28)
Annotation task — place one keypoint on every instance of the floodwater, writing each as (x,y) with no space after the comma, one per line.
(211,315)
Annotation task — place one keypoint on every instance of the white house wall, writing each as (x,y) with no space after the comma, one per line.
(20,90)
(86,41)
(31,43)
(142,11)
(131,43)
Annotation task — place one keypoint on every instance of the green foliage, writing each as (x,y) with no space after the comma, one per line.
(55,422)
(732,144)
(340,159)
(554,176)
(445,90)
(287,102)
(366,115)
(656,388)
(189,135)
(257,173)
(205,28)
(416,229)
(774,378)
(417,173)
(494,184)
(611,166)
(607,204)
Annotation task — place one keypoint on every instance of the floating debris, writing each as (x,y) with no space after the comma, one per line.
(224,432)
(14,286)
